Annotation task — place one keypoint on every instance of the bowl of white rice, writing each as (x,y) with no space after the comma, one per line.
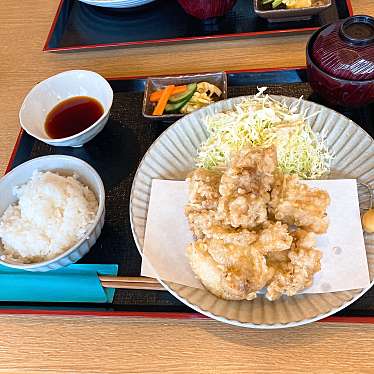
(52,210)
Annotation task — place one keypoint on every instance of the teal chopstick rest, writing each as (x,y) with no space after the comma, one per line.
(74,283)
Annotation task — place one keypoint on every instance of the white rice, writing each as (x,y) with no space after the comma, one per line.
(53,213)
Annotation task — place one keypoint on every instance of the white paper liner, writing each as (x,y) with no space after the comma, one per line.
(344,263)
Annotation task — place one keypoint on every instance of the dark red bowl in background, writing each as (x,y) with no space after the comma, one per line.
(340,62)
(204,9)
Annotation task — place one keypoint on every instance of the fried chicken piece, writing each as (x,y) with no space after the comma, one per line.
(203,199)
(304,239)
(204,224)
(278,260)
(250,171)
(228,235)
(247,211)
(243,188)
(229,271)
(203,188)
(274,237)
(296,274)
(200,221)
(297,204)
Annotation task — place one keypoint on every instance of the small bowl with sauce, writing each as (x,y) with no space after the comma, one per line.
(67,109)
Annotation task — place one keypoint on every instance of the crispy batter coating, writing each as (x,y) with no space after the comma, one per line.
(203,188)
(250,171)
(204,224)
(229,271)
(203,199)
(242,237)
(200,220)
(247,211)
(274,237)
(243,188)
(296,274)
(297,204)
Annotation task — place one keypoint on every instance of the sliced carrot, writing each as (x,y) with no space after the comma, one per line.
(155,96)
(160,107)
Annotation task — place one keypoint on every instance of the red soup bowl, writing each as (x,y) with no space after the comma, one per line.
(204,9)
(340,62)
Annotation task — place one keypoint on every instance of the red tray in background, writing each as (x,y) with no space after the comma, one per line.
(81,26)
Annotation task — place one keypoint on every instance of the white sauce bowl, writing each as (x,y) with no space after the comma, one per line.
(47,94)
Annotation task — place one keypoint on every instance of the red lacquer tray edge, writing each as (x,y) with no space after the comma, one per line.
(171,40)
(170,315)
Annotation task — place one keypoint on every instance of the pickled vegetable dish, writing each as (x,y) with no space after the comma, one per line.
(184,99)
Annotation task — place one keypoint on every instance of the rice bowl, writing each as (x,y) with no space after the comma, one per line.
(73,239)
(52,214)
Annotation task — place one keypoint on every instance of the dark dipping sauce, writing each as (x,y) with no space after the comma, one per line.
(72,116)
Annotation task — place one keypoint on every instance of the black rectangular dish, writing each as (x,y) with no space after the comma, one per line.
(81,26)
(115,153)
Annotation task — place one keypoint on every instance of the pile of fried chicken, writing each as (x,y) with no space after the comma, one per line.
(254,228)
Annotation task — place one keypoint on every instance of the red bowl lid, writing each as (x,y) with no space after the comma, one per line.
(345,49)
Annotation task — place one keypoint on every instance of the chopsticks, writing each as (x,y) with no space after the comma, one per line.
(131,283)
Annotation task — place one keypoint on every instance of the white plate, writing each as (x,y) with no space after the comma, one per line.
(117,4)
(172,155)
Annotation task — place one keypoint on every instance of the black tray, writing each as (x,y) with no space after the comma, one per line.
(115,154)
(78,25)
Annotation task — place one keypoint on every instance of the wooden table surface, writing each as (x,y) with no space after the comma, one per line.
(113,345)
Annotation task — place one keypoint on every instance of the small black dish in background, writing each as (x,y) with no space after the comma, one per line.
(282,14)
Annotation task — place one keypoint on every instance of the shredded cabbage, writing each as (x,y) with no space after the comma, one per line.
(263,121)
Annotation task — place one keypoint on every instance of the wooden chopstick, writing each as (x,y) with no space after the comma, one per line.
(108,278)
(131,283)
(133,286)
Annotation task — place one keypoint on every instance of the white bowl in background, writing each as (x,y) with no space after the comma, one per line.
(117,3)
(64,165)
(47,94)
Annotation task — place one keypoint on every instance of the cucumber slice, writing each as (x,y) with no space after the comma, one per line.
(191,88)
(176,107)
